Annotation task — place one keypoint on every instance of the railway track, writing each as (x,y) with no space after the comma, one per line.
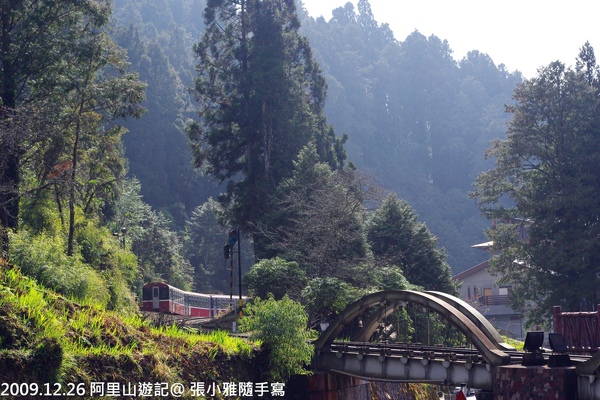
(431,352)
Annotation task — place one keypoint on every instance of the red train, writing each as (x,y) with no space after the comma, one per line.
(165,298)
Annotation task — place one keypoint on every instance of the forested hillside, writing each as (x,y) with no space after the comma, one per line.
(159,37)
(221,129)
(417,120)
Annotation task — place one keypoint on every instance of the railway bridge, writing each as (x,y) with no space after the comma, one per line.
(488,364)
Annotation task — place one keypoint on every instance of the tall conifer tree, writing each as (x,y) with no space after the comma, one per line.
(547,236)
(261,98)
(398,239)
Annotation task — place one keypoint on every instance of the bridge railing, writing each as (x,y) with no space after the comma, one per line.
(580,330)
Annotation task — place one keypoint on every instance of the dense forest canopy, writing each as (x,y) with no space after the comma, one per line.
(416,118)
(400,103)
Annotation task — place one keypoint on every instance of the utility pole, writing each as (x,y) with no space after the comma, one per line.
(239,241)
(234,237)
(231,280)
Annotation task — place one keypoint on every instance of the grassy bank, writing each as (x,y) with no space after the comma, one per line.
(45,337)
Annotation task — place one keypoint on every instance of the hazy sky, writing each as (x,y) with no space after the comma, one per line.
(523,34)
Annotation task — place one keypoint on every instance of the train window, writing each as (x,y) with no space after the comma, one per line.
(147,293)
(198,301)
(177,296)
(163,293)
(204,301)
(221,302)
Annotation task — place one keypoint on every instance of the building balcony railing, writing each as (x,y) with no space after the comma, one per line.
(498,300)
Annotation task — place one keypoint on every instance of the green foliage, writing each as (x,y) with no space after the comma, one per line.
(261,101)
(117,265)
(406,331)
(276,277)
(229,344)
(222,339)
(397,238)
(83,160)
(542,192)
(326,297)
(389,278)
(39,214)
(281,327)
(518,345)
(55,57)
(204,239)
(43,258)
(100,270)
(159,250)
(317,218)
(28,298)
(156,146)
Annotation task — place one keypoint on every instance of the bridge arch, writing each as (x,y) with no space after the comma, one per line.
(482,322)
(479,334)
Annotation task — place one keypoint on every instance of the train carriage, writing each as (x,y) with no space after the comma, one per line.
(164,298)
(161,297)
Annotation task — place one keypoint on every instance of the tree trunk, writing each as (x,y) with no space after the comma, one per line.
(9,199)
(10,175)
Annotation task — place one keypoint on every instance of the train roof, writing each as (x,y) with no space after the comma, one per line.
(157,284)
(162,284)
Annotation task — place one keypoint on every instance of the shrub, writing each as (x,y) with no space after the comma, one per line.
(281,327)
(276,276)
(42,257)
(327,297)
